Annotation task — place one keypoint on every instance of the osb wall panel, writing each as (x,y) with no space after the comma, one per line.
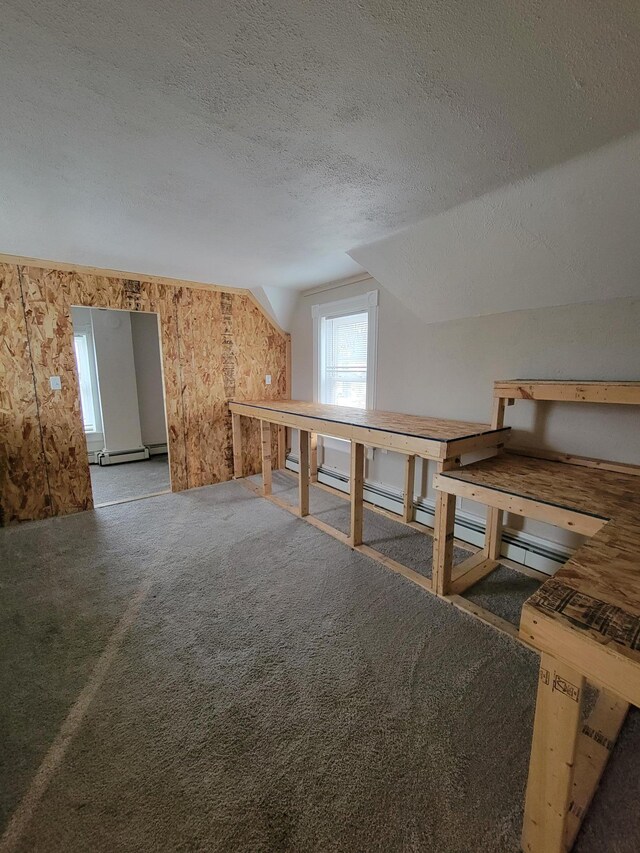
(216,346)
(250,374)
(23,487)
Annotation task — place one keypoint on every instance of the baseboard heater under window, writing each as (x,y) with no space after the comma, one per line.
(524,548)
(115,457)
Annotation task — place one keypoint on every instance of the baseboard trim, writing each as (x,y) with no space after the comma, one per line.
(531,551)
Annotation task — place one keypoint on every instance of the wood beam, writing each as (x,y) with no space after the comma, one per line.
(313,457)
(553,751)
(303,478)
(236,431)
(282,446)
(356,492)
(409,487)
(470,572)
(265,437)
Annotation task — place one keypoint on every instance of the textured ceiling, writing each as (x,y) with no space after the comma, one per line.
(255,143)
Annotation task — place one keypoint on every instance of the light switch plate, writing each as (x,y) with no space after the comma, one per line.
(55,382)
(267,379)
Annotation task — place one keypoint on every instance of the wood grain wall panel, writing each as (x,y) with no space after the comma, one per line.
(165,300)
(216,346)
(260,351)
(50,331)
(215,418)
(24,493)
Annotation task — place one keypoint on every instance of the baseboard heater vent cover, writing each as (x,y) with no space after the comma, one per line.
(107,457)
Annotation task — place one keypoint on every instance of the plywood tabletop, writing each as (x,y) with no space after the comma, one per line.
(599,493)
(435,429)
(589,613)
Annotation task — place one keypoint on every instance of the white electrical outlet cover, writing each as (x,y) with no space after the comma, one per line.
(267,379)
(55,382)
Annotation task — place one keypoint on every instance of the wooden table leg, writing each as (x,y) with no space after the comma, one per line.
(303,479)
(445,517)
(236,432)
(493,529)
(556,729)
(282,447)
(313,457)
(409,485)
(357,492)
(493,533)
(265,435)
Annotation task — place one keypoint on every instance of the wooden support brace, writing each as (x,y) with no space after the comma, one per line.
(472,570)
(556,731)
(265,436)
(595,743)
(282,446)
(445,516)
(303,478)
(313,457)
(357,492)
(493,529)
(409,480)
(236,432)
(493,533)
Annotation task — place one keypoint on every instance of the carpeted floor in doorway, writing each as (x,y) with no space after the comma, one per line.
(277,692)
(130,479)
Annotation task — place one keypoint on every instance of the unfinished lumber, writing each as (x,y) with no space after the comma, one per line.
(409,487)
(356,487)
(282,446)
(313,457)
(573,391)
(470,572)
(236,428)
(303,481)
(265,433)
(555,739)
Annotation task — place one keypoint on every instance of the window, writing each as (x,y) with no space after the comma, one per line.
(88,386)
(345,335)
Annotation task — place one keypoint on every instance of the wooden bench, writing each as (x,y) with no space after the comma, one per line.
(585,620)
(438,439)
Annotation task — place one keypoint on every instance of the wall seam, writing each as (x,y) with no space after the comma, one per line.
(35,392)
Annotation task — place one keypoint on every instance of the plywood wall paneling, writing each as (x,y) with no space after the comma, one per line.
(216,346)
(165,301)
(24,492)
(50,334)
(266,354)
(215,425)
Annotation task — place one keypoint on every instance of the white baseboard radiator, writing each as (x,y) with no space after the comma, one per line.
(116,457)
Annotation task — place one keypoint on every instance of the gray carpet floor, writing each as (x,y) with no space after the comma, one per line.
(503,592)
(130,479)
(276,692)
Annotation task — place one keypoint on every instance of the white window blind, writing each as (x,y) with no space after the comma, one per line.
(345,336)
(344,360)
(87,393)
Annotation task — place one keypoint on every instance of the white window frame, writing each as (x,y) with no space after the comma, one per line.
(367,302)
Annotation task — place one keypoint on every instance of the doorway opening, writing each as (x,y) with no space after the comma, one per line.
(119,365)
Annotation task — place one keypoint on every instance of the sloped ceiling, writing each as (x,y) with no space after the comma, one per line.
(563,236)
(255,143)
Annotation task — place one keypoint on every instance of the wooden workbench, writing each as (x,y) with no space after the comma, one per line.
(585,620)
(429,438)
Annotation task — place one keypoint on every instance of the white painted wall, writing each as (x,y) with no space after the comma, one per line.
(447,369)
(146,354)
(117,380)
(563,236)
